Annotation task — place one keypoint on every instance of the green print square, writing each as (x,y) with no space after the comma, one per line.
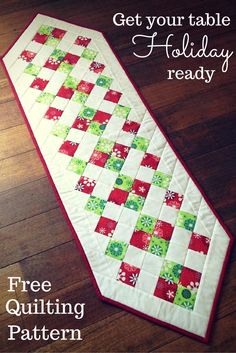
(104,81)
(77,165)
(146,223)
(158,246)
(171,271)
(66,68)
(140,143)
(45,30)
(45,98)
(104,145)
(116,249)
(58,54)
(95,205)
(79,97)
(71,82)
(121,111)
(160,179)
(135,202)
(87,113)
(52,41)
(186,220)
(115,164)
(32,69)
(89,54)
(124,182)
(185,298)
(95,128)
(60,130)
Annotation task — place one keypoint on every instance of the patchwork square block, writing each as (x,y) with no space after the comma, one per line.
(131,126)
(85,184)
(99,158)
(146,223)
(135,202)
(116,249)
(53,114)
(124,182)
(158,246)
(106,226)
(161,179)
(150,161)
(95,205)
(173,199)
(96,67)
(165,289)
(112,96)
(171,271)
(186,220)
(69,148)
(140,188)
(163,230)
(140,239)
(77,165)
(185,298)
(118,196)
(128,274)
(199,243)
(81,124)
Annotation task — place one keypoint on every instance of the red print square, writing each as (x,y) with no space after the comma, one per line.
(83,41)
(99,158)
(85,185)
(52,63)
(71,59)
(173,199)
(118,196)
(128,274)
(199,243)
(53,114)
(69,148)
(39,83)
(58,33)
(165,290)
(27,55)
(190,278)
(40,38)
(106,226)
(81,123)
(96,67)
(163,230)
(150,161)
(140,188)
(65,92)
(113,96)
(85,87)
(140,239)
(102,117)
(131,126)
(120,151)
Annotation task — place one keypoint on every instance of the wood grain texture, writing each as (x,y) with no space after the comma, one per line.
(36,242)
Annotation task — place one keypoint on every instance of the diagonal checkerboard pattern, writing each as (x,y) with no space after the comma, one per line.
(149,235)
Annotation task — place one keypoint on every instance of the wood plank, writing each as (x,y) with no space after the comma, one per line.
(14,141)
(26,201)
(33,235)
(31,169)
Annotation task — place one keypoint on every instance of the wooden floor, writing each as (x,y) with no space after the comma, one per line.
(36,242)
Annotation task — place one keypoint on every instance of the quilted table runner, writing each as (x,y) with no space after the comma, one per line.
(153,243)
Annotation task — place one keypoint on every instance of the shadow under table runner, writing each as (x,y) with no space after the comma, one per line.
(153,243)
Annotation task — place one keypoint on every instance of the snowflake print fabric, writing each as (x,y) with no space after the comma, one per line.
(153,243)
